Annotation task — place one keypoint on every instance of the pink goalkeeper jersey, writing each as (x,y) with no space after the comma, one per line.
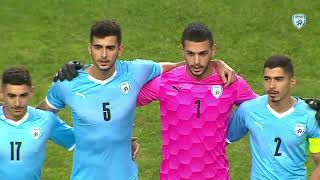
(194,120)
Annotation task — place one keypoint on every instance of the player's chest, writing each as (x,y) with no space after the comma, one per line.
(287,130)
(103,103)
(210,96)
(18,143)
(118,90)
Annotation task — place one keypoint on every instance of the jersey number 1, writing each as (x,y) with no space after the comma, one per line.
(106,111)
(18,145)
(198,107)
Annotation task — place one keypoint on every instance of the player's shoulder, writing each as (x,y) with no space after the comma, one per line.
(38,114)
(240,80)
(134,63)
(253,104)
(133,66)
(238,85)
(67,84)
(177,71)
(177,74)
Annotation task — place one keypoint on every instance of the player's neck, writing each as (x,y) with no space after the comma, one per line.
(100,74)
(282,105)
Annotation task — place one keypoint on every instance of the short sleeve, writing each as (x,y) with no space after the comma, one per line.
(62,134)
(145,70)
(237,125)
(149,92)
(56,96)
(313,130)
(313,133)
(244,92)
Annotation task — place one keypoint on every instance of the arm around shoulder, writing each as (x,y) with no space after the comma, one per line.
(149,92)
(43,105)
(167,66)
(62,134)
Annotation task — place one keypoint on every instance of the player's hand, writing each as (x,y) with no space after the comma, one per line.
(135,147)
(227,74)
(68,71)
(315,105)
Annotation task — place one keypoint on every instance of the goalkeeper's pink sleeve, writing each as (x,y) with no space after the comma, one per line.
(244,92)
(149,92)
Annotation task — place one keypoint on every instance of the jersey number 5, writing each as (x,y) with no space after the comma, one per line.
(18,145)
(278,141)
(106,111)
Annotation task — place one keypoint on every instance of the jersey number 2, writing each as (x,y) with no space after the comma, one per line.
(18,145)
(278,141)
(106,111)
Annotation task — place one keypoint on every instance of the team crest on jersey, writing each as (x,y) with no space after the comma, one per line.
(35,133)
(125,87)
(299,20)
(216,91)
(300,130)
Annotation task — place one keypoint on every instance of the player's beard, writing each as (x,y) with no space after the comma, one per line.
(273,96)
(17,112)
(106,67)
(274,99)
(203,73)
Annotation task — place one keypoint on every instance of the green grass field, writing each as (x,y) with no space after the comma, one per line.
(43,34)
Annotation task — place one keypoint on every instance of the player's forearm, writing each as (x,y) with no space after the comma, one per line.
(315,174)
(167,66)
(44,106)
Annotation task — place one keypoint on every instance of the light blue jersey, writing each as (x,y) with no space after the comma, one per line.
(103,113)
(278,142)
(23,143)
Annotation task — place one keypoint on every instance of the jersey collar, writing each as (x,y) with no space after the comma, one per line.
(15,123)
(102,82)
(284,114)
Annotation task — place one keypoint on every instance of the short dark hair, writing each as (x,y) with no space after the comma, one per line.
(105,28)
(280,61)
(197,32)
(16,75)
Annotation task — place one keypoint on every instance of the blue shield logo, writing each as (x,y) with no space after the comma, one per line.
(299,20)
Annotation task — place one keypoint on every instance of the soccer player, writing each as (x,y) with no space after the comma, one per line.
(24,130)
(195,108)
(103,101)
(282,128)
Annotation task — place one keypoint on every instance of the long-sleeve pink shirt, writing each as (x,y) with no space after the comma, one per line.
(194,121)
